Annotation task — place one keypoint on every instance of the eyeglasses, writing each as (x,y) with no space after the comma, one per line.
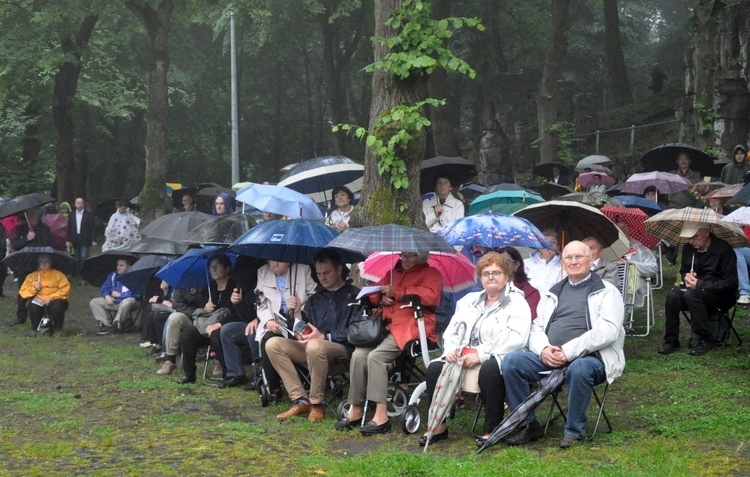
(575,258)
(493,274)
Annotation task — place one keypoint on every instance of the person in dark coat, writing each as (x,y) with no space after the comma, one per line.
(30,232)
(81,233)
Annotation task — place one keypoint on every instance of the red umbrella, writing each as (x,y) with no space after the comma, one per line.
(458,272)
(58,224)
(635,219)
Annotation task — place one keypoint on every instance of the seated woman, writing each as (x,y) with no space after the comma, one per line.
(496,322)
(155,315)
(520,280)
(369,366)
(46,288)
(339,217)
(223,205)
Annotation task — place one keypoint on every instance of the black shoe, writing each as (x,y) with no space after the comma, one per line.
(233,382)
(163,356)
(252,385)
(345,424)
(570,441)
(435,438)
(128,326)
(530,433)
(372,428)
(702,348)
(669,348)
(187,380)
(20,320)
(479,441)
(107,329)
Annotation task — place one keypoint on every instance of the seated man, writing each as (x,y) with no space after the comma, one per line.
(184,301)
(709,266)
(327,315)
(606,270)
(115,297)
(587,340)
(48,288)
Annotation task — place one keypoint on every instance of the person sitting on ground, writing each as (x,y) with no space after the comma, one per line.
(155,314)
(223,205)
(520,280)
(122,229)
(118,298)
(487,325)
(597,185)
(735,171)
(588,340)
(709,267)
(46,288)
(543,267)
(369,366)
(443,207)
(606,270)
(30,231)
(339,217)
(326,314)
(643,259)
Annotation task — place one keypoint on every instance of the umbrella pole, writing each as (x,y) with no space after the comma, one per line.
(208,280)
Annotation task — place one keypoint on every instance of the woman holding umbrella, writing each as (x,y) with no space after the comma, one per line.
(497,321)
(46,288)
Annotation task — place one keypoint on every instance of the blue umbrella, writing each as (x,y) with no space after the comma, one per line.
(279,200)
(648,206)
(492,231)
(138,276)
(317,177)
(191,270)
(485,202)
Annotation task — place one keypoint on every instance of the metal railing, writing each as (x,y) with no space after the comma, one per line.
(598,133)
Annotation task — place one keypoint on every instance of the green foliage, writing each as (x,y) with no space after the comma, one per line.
(706,116)
(566,152)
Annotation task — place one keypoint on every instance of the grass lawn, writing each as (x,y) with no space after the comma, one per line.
(82,404)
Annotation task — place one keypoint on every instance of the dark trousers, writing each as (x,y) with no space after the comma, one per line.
(698,304)
(56,309)
(21,311)
(152,324)
(3,272)
(190,340)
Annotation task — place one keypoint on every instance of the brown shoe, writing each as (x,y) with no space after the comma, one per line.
(298,409)
(317,412)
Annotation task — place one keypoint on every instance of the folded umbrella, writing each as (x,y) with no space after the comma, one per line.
(493,230)
(280,200)
(458,272)
(24,261)
(668,225)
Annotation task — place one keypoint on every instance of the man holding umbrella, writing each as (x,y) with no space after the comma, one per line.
(30,232)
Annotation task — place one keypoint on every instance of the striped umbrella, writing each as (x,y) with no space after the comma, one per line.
(317,177)
(668,225)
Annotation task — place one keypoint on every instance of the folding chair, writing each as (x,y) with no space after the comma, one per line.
(561,412)
(659,279)
(336,382)
(724,331)
(210,380)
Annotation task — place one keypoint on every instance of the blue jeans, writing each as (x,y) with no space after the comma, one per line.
(743,260)
(81,253)
(233,340)
(520,368)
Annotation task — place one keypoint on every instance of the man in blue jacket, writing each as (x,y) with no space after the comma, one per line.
(115,297)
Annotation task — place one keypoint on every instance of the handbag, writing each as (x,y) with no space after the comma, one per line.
(366,331)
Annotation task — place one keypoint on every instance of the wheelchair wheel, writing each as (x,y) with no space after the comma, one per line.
(265,395)
(342,410)
(410,419)
(397,400)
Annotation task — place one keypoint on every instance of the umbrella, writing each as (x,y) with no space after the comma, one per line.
(457,169)
(664,158)
(664,182)
(106,208)
(488,200)
(590,162)
(724,193)
(58,224)
(594,199)
(546,387)
(221,230)
(203,196)
(507,186)
(367,240)
(550,190)
(635,219)
(149,246)
(280,200)
(191,270)
(587,179)
(668,225)
(458,272)
(447,389)
(317,177)
(138,276)
(648,206)
(174,227)
(493,230)
(740,216)
(96,269)
(24,202)
(575,221)
(472,191)
(24,261)
(545,169)
(600,169)
(741,197)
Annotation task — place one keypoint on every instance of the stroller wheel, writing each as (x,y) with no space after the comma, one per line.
(410,419)
(342,410)
(397,400)
(265,395)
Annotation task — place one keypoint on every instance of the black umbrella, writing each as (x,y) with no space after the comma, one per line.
(106,208)
(457,169)
(551,191)
(741,197)
(545,169)
(222,230)
(203,196)
(96,269)
(149,246)
(24,261)
(138,276)
(664,158)
(174,227)
(24,202)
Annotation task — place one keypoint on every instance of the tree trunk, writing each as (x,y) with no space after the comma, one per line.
(547,100)
(618,73)
(381,203)
(156,22)
(66,85)
(705,62)
(31,145)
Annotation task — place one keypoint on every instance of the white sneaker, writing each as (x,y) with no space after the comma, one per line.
(744,300)
(146,344)
(166,368)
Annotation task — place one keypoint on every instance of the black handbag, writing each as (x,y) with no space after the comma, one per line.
(367,331)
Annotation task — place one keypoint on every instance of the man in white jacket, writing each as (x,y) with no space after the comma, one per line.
(587,340)
(443,207)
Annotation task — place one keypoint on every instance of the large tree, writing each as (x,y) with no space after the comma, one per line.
(618,73)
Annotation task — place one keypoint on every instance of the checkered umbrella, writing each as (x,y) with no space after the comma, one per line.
(391,237)
(668,225)
(635,219)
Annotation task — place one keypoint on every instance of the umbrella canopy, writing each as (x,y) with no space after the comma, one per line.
(724,193)
(317,177)
(222,230)
(106,208)
(290,241)
(664,182)
(24,261)
(741,197)
(575,221)
(488,201)
(24,202)
(551,191)
(668,225)
(635,219)
(458,272)
(390,237)
(149,246)
(504,209)
(590,162)
(633,201)
(472,191)
(96,269)
(587,179)
(203,196)
(191,270)
(664,158)
(545,169)
(493,230)
(174,227)
(280,200)
(740,216)
(58,224)
(138,276)
(457,169)
(593,199)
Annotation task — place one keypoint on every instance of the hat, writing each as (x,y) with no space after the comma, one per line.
(740,147)
(689,229)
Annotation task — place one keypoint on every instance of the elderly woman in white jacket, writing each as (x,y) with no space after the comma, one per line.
(496,321)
